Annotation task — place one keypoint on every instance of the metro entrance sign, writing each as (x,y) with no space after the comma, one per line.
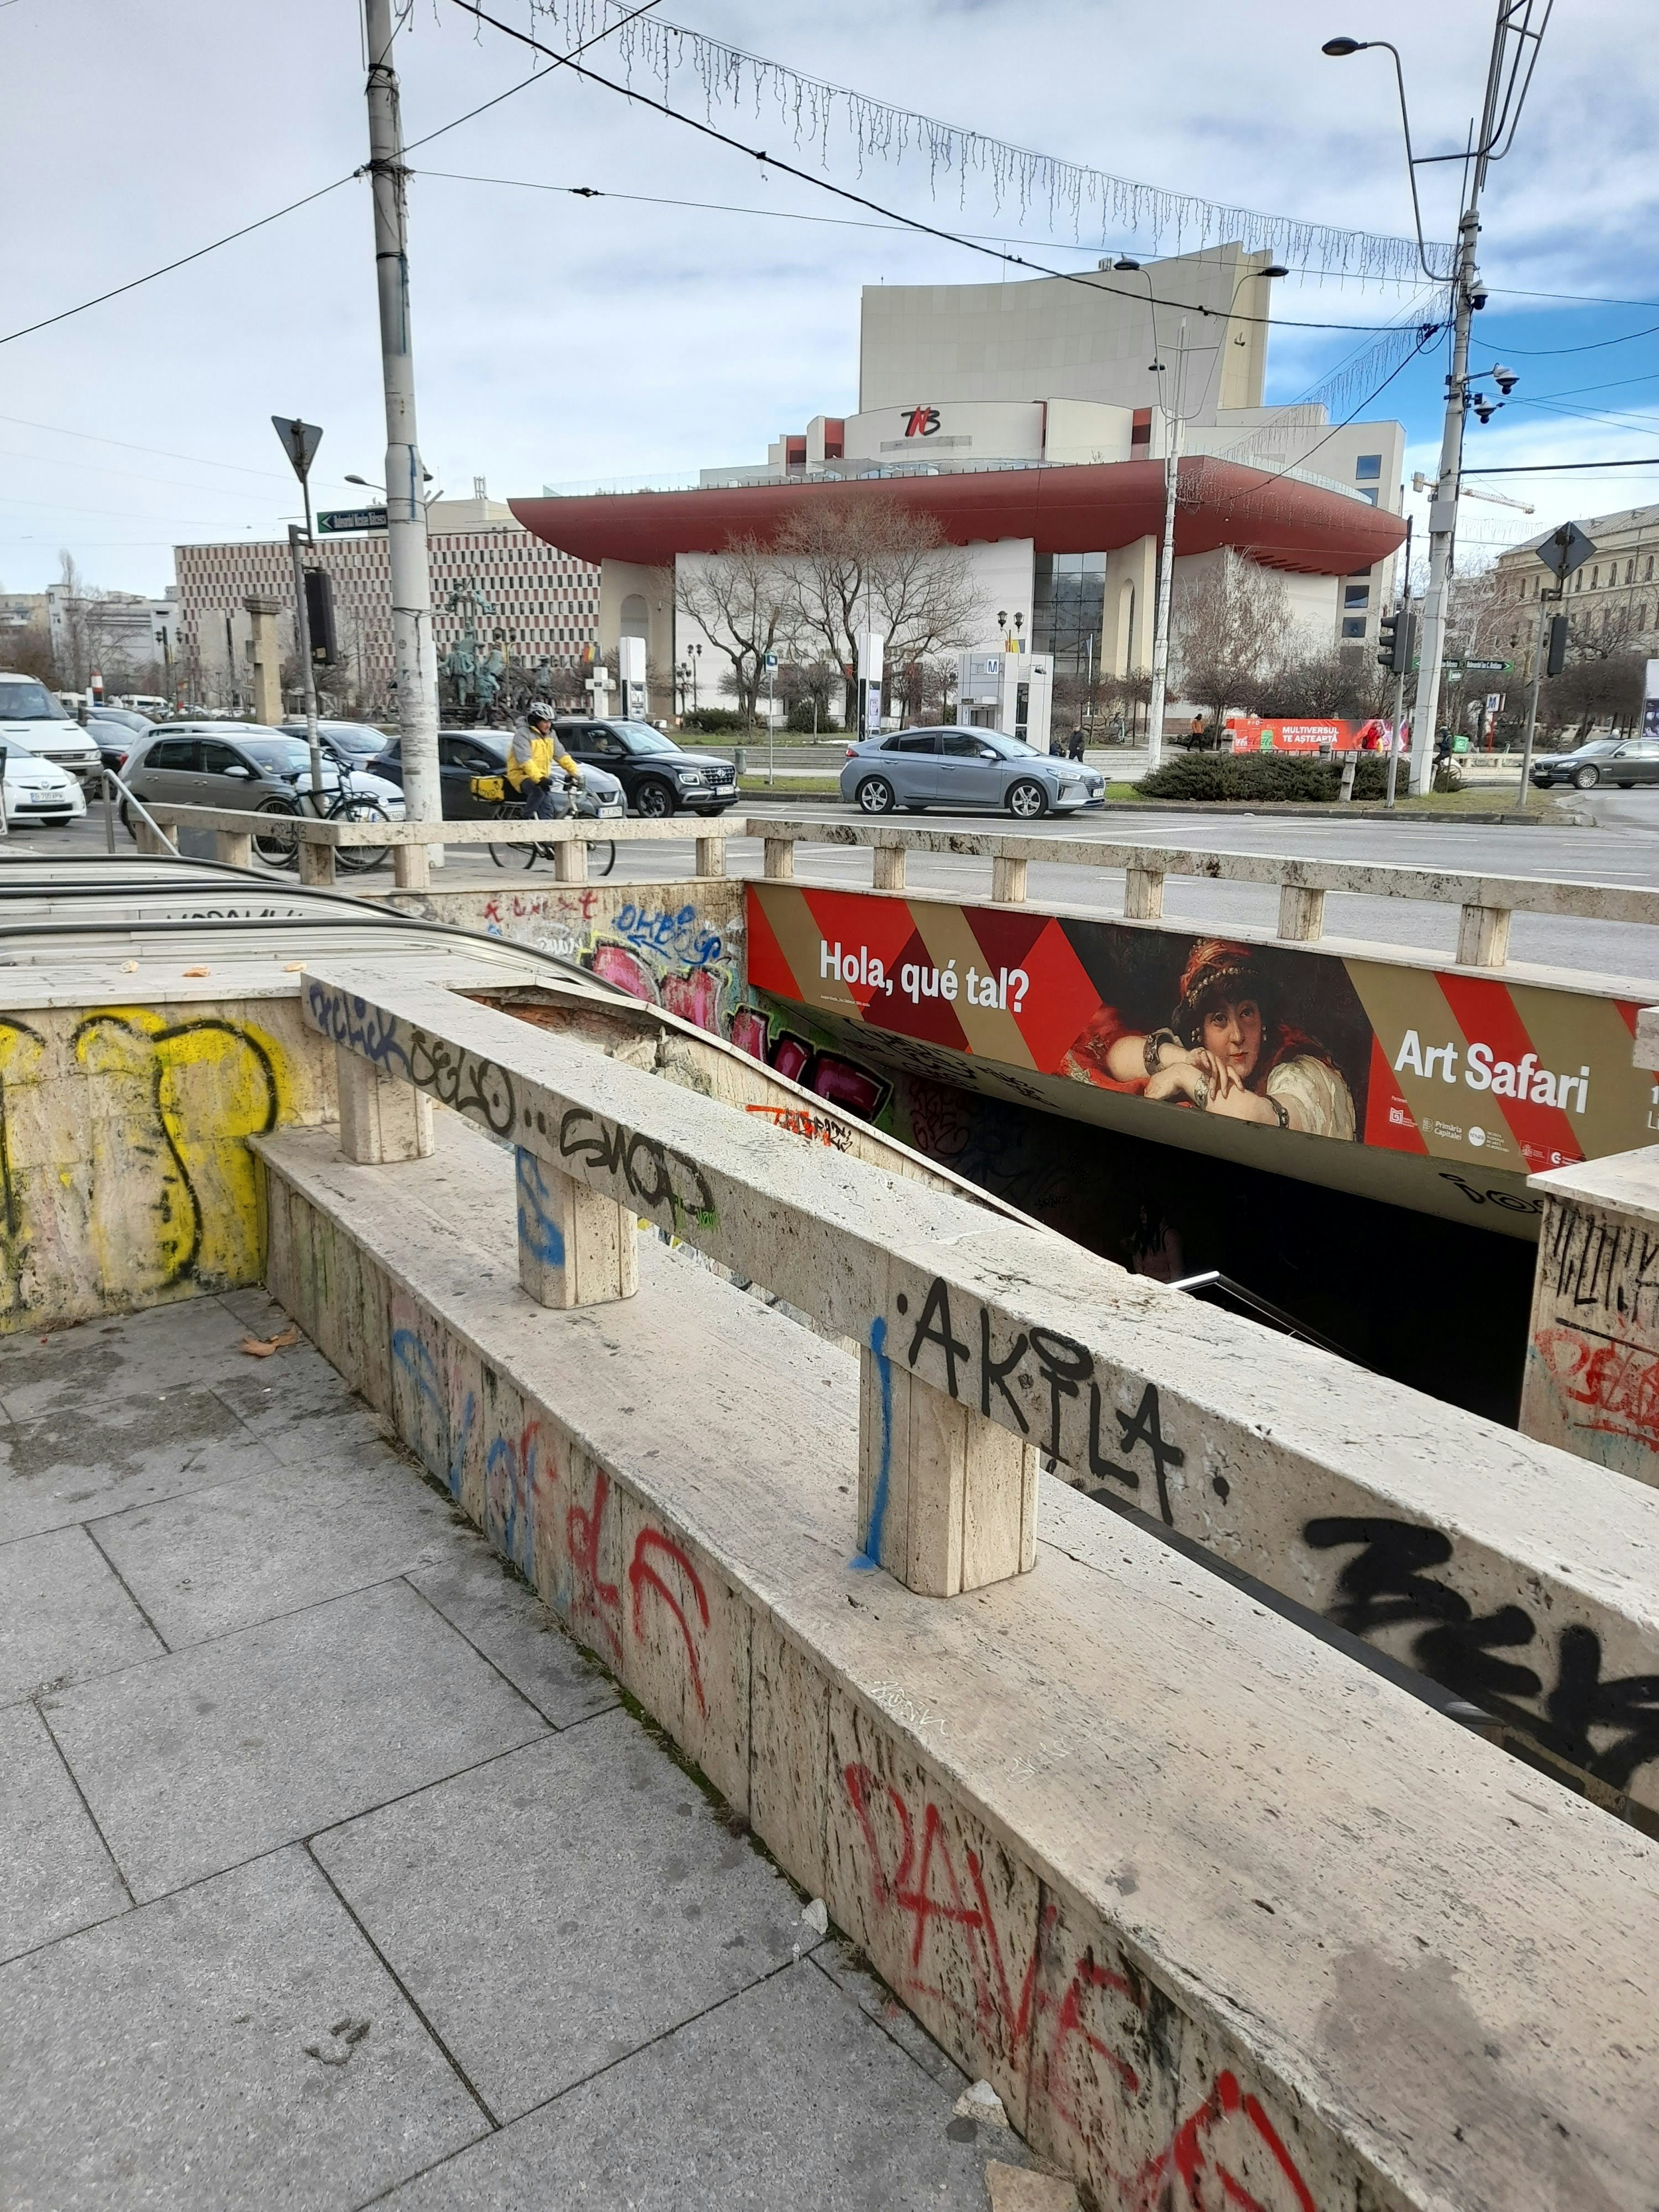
(333,520)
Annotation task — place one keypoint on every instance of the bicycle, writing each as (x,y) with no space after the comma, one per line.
(494,792)
(281,849)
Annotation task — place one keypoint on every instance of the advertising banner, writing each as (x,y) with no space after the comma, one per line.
(1501,1076)
(1252,733)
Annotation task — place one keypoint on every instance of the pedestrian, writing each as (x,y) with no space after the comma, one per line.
(1056,750)
(531,759)
(1195,734)
(1074,745)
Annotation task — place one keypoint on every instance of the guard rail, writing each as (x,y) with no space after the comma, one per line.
(1485,903)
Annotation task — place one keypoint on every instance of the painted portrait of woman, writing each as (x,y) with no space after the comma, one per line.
(1226,1051)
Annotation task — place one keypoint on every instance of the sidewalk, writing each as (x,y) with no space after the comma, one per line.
(336,1874)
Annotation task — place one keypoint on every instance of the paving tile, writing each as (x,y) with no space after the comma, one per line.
(58,1876)
(853,1976)
(196,1762)
(293,1386)
(221,1558)
(473,1587)
(63,1615)
(161,2060)
(603,1903)
(787,2096)
(102,1455)
(101,1360)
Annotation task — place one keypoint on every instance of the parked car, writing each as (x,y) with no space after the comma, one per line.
(659,776)
(972,770)
(1624,760)
(243,765)
(358,741)
(115,731)
(32,720)
(464,754)
(37,790)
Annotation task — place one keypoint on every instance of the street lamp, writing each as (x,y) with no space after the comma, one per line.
(1509,74)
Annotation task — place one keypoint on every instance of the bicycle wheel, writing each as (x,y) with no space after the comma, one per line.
(515,856)
(357,860)
(601,856)
(278,849)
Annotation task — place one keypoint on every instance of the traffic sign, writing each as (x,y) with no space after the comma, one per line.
(1566,550)
(1491,667)
(300,442)
(350,518)
(771,660)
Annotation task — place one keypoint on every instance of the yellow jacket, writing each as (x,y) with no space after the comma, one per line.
(531,759)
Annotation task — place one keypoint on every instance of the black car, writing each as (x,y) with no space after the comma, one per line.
(659,776)
(463,754)
(1624,760)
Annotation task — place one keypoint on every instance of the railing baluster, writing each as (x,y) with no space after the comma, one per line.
(1483,936)
(1007,880)
(1301,913)
(1143,894)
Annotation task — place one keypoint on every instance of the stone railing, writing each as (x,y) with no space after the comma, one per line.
(235,831)
(989,1347)
(1485,903)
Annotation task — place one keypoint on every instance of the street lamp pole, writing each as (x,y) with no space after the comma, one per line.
(1509,74)
(414,649)
(1165,565)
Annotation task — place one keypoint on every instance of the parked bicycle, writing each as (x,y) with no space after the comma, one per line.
(280,848)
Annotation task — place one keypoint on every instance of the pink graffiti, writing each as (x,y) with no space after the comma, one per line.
(694,998)
(643,1576)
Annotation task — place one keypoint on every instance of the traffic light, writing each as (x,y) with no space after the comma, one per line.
(320,615)
(1556,659)
(1396,641)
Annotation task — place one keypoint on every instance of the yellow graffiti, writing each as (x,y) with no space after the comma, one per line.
(171,1109)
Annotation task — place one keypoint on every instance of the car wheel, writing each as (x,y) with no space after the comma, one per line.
(1586,779)
(875,795)
(1028,801)
(654,801)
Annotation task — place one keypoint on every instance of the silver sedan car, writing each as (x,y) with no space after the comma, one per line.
(969,769)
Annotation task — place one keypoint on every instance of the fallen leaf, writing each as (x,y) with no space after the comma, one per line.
(198,971)
(128,967)
(294,967)
(261,1347)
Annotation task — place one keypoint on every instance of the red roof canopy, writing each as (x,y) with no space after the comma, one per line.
(1275,519)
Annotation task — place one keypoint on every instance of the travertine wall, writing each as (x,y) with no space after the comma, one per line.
(126,1178)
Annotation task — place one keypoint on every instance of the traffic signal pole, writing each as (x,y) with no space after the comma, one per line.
(414,650)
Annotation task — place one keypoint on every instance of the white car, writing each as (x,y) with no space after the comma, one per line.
(30,720)
(37,790)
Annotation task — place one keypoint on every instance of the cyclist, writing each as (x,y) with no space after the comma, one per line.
(531,759)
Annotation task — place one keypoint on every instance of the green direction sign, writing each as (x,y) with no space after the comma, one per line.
(1473,667)
(338,518)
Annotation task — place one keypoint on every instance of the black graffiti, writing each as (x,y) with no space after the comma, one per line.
(358,1026)
(1384,1587)
(654,1174)
(464,1080)
(1612,1266)
(1582,1701)
(1063,1367)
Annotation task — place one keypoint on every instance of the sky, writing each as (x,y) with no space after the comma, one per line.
(562,340)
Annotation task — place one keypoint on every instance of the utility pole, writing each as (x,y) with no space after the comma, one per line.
(414,650)
(1165,566)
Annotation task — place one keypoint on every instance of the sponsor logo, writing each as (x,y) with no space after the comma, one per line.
(921,422)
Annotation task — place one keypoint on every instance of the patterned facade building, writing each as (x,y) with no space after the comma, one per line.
(1611,602)
(545,601)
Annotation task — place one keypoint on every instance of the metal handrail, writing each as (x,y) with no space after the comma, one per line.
(112,776)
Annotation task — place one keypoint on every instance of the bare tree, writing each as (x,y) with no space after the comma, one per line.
(1320,686)
(743,602)
(864,561)
(1229,627)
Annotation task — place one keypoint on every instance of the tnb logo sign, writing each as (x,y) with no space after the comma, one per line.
(921,422)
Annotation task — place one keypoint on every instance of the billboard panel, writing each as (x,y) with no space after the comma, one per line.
(1504,1077)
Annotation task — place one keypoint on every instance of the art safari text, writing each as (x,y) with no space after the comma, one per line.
(1504,1079)
(1005,990)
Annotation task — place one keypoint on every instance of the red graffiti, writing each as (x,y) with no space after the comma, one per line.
(800,1123)
(1618,1382)
(591,1597)
(909,1889)
(643,1576)
(1203,2150)
(1185,2156)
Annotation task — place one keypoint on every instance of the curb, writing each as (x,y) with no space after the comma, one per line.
(1331,811)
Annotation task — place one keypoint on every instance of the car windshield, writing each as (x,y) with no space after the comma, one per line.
(1010,748)
(277,756)
(28,703)
(641,738)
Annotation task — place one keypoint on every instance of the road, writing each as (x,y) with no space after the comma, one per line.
(1622,848)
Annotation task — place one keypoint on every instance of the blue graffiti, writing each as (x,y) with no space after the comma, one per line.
(351,1021)
(410,1349)
(674,935)
(538,1233)
(509,1492)
(457,1456)
(871,1555)
(409,1352)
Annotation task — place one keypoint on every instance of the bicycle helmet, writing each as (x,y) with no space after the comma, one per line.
(538,711)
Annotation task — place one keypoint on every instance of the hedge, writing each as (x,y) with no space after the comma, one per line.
(1264,776)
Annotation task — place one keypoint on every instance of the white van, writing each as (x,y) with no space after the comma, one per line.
(30,720)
